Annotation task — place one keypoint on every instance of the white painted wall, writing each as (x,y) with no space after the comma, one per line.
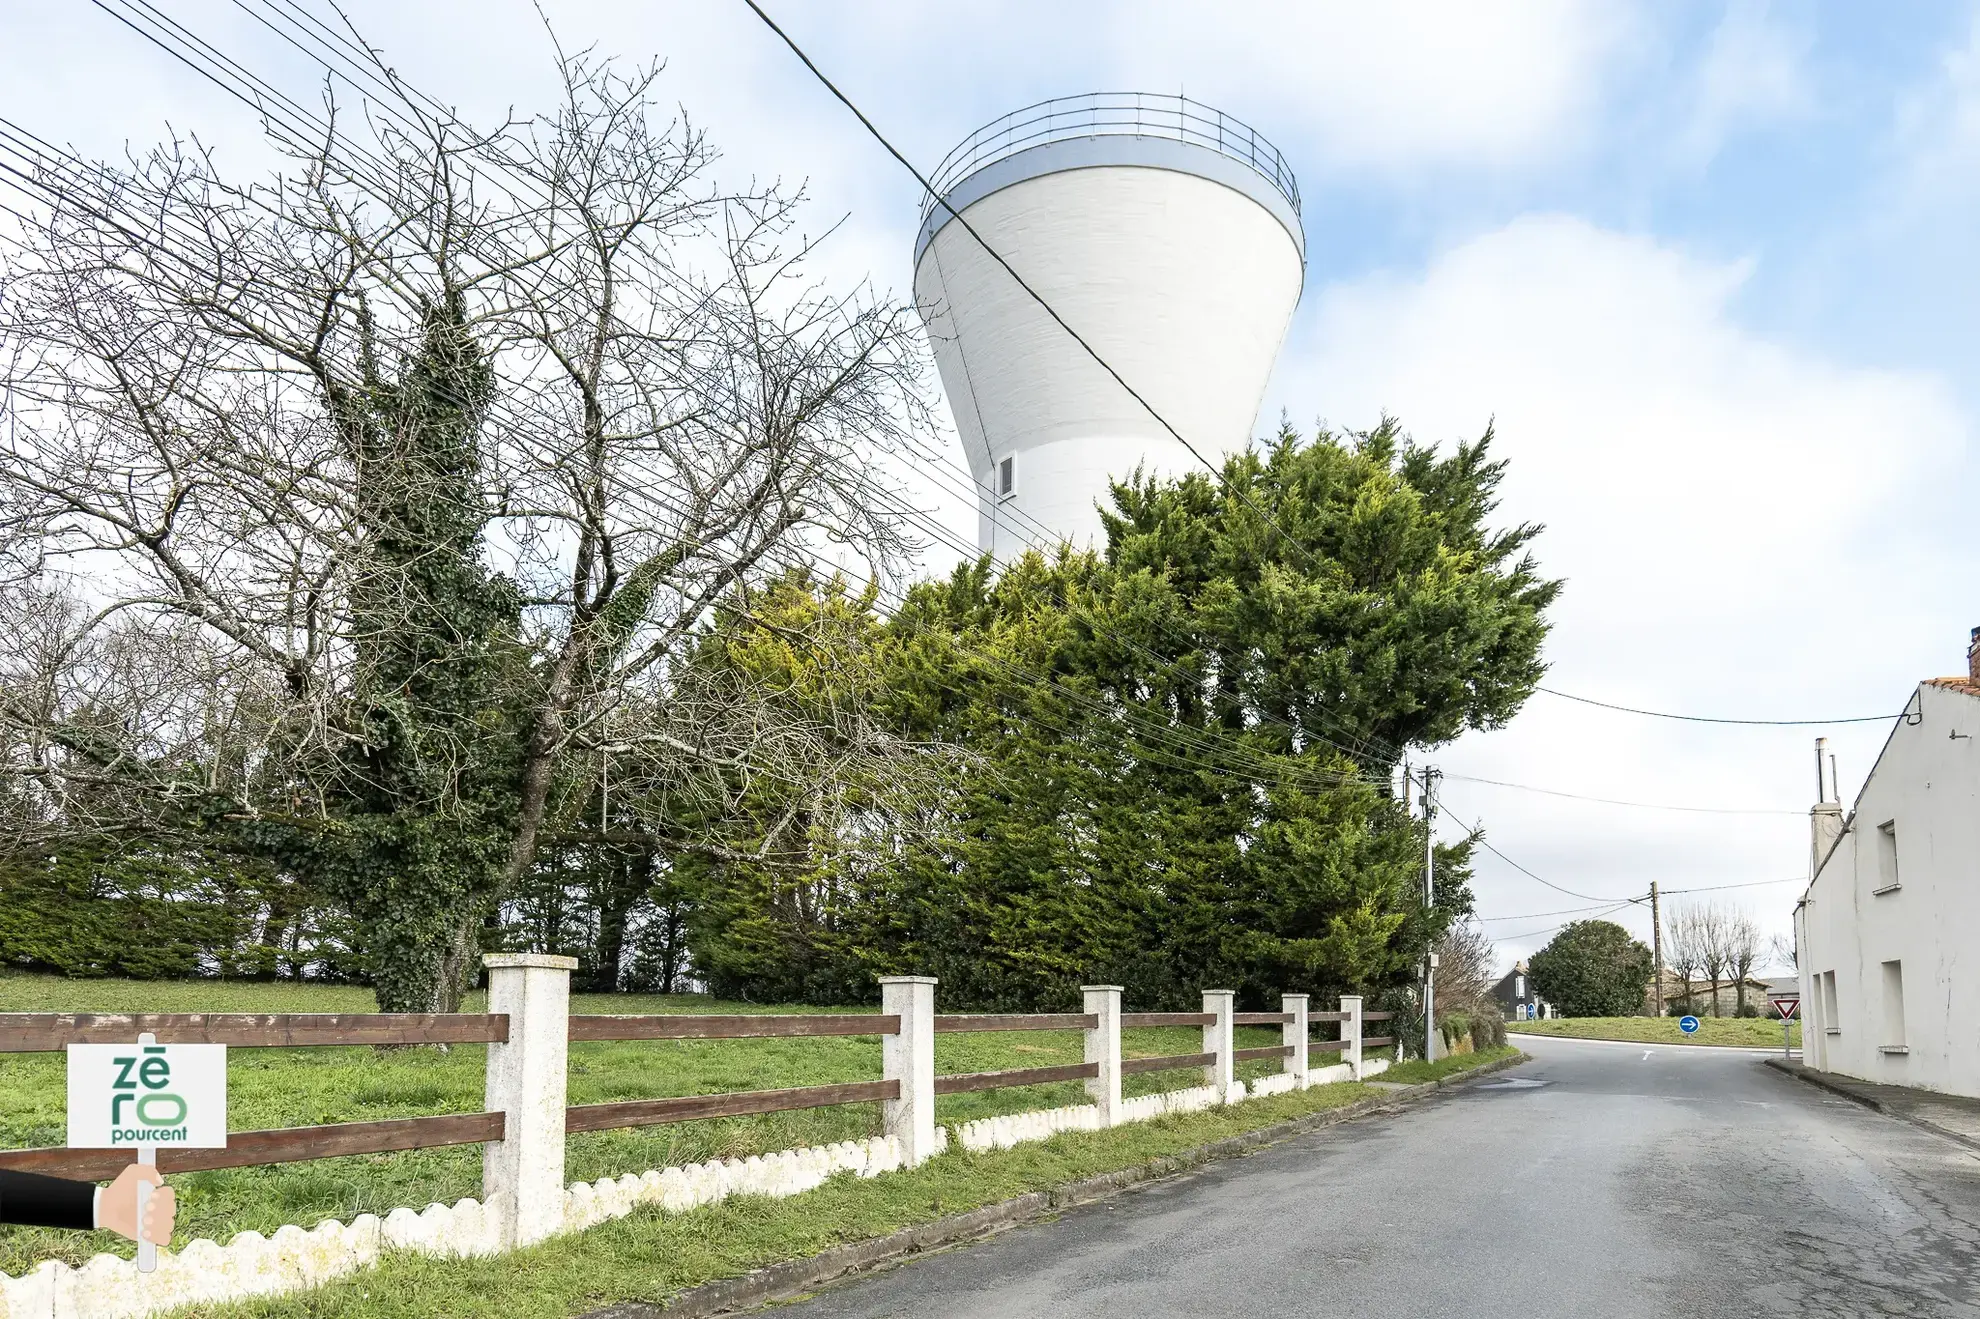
(1926,785)
(1185,286)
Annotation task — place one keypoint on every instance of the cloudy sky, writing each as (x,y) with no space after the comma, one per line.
(1709,268)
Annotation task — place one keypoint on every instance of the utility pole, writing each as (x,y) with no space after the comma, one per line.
(1430,776)
(1657,944)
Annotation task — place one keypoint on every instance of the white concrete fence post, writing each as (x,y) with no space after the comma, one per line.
(1294,1034)
(522,1174)
(1103,1046)
(909,1057)
(1220,1038)
(1351,1032)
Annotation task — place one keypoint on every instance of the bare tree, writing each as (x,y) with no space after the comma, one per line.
(1743,946)
(362,514)
(1715,947)
(1718,940)
(1686,937)
(1781,951)
(1466,965)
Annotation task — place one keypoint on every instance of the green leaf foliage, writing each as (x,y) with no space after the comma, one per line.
(1592,969)
(1178,753)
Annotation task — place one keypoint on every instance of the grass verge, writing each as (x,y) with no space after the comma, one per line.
(1417,1071)
(269,1088)
(652,1256)
(1740,1032)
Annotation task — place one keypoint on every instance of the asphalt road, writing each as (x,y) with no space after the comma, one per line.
(1598,1180)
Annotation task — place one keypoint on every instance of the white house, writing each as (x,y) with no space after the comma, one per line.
(1890,980)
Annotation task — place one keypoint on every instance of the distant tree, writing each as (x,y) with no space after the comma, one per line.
(1592,969)
(1743,948)
(1685,939)
(1715,948)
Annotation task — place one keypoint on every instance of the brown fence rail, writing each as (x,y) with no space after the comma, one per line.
(1378,1042)
(50,1032)
(692,1026)
(1261,1018)
(691,1108)
(1330,1016)
(1377,1016)
(1328,1046)
(958,1082)
(1273,1051)
(1019,1021)
(246,1149)
(1131,1066)
(1168,1019)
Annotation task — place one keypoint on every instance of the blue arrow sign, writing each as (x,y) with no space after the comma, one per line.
(1687,1024)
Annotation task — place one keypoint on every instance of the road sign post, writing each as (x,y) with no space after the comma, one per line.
(1789,1006)
(140,1096)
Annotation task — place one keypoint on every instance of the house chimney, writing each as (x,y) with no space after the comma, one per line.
(1973,656)
(1825,821)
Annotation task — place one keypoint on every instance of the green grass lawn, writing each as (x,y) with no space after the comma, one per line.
(302,1087)
(1748,1032)
(651,1256)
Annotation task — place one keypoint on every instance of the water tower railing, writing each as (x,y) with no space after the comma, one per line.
(1103,114)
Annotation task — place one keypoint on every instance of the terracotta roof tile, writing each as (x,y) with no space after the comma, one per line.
(1967,685)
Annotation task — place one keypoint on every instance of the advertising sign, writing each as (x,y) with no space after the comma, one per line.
(168,1096)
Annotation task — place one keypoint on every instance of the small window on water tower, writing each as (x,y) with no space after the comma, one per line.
(1007,478)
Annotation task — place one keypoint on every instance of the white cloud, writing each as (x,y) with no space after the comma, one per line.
(1723,509)
(1392,88)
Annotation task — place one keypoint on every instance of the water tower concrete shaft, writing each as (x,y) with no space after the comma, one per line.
(1168,235)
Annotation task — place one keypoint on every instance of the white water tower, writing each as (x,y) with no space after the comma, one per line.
(1168,235)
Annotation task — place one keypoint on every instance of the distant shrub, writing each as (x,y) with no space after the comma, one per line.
(1488,1031)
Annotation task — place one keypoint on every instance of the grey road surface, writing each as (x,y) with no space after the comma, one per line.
(1598,1180)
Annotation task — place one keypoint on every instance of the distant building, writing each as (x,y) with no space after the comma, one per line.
(1696,996)
(1890,988)
(1515,994)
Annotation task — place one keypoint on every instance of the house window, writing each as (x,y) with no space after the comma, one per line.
(1887,870)
(1007,478)
(1519,987)
(1827,989)
(1893,1009)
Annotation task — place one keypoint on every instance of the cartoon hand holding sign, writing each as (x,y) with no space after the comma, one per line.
(130,1096)
(30,1200)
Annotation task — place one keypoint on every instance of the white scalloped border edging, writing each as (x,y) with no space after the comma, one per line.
(108,1287)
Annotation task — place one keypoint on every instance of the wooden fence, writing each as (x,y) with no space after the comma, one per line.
(529,1029)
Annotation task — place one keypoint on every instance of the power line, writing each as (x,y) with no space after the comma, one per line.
(1478,833)
(1177,741)
(1534,934)
(1720,888)
(338,62)
(1611,801)
(1705,719)
(1035,296)
(1536,915)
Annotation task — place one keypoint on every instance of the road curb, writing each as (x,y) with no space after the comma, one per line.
(1809,1076)
(793,1277)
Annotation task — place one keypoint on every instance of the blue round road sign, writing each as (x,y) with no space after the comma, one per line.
(1687,1024)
